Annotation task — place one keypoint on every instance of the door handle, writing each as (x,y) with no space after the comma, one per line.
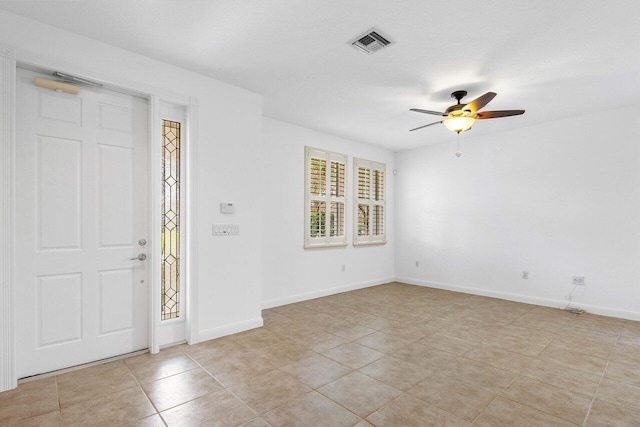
(140,257)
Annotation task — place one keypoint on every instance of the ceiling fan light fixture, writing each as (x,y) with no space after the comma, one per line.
(459,124)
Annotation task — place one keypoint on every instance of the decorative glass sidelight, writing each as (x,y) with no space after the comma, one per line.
(170,237)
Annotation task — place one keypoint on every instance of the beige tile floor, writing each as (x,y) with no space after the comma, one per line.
(390,355)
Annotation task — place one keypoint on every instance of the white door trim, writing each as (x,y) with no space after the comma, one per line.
(8,378)
(153,246)
(191,201)
(9,58)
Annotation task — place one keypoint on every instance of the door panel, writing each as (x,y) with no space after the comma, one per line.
(81,202)
(58,193)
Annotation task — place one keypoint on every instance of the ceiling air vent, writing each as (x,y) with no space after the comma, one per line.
(371,42)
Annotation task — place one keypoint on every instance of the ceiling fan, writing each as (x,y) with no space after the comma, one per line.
(460,117)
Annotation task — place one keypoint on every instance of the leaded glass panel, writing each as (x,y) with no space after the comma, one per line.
(170,232)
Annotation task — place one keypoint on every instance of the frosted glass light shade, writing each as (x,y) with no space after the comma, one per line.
(459,124)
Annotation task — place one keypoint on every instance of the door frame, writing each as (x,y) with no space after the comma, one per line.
(10,60)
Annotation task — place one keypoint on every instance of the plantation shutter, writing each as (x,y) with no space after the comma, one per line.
(369,215)
(325,174)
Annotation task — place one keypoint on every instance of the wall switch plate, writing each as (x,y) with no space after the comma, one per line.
(525,275)
(417,263)
(578,280)
(343,267)
(225,229)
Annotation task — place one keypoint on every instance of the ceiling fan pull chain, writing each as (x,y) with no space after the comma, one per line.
(458,153)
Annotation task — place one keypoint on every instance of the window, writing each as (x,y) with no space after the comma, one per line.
(170,214)
(324,198)
(369,206)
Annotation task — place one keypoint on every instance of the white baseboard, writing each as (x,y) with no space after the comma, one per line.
(323,293)
(233,328)
(595,309)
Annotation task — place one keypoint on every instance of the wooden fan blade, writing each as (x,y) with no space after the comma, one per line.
(480,102)
(430,124)
(497,114)
(435,113)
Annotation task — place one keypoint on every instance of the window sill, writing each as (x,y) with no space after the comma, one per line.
(381,242)
(326,245)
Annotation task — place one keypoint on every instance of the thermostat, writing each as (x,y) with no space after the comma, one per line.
(226,208)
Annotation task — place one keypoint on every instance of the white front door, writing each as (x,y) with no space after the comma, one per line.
(81,210)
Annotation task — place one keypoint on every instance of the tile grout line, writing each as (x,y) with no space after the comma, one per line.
(58,399)
(145,394)
(225,388)
(501,393)
(586,417)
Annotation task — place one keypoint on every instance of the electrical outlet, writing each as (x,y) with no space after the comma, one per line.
(525,275)
(417,263)
(578,280)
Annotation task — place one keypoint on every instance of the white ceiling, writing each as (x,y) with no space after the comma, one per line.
(555,59)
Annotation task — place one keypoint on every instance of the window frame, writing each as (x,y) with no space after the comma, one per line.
(328,157)
(370,239)
(178,118)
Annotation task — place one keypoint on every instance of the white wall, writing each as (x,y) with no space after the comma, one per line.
(228,158)
(290,272)
(557,199)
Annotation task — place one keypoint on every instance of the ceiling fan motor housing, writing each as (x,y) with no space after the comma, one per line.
(458,95)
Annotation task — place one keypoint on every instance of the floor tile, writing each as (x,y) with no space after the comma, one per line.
(454,396)
(28,400)
(256,422)
(149,367)
(525,345)
(91,383)
(374,322)
(396,353)
(565,404)
(499,358)
(605,414)
(321,341)
(479,374)
(371,394)
(285,353)
(256,338)
(626,355)
(51,419)
(527,331)
(408,411)
(212,350)
(354,332)
(624,372)
(221,408)
(237,368)
(178,389)
(316,371)
(450,344)
(571,359)
(584,346)
(117,408)
(353,355)
(426,326)
(313,409)
(152,421)
(396,372)
(269,391)
(425,356)
(383,342)
(504,412)
(562,376)
(619,393)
